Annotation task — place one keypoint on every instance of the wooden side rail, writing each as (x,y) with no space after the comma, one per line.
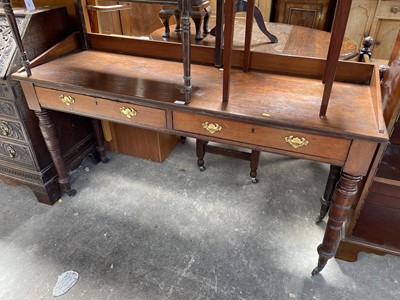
(108,8)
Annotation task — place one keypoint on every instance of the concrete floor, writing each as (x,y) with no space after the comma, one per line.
(144,230)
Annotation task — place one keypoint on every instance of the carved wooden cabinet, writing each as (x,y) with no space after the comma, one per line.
(24,158)
(317,14)
(379,19)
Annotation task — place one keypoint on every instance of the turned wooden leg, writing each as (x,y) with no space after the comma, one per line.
(254,159)
(200,152)
(98,138)
(343,196)
(49,132)
(326,198)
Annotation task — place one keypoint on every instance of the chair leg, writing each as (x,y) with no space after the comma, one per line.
(177,17)
(198,19)
(164,17)
(254,160)
(206,30)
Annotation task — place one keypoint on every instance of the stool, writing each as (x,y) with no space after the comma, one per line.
(254,156)
(201,10)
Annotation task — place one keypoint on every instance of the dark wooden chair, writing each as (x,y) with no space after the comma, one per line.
(200,14)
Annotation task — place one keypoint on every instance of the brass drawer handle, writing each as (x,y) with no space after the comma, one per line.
(296,142)
(67,100)
(11,152)
(5,130)
(211,127)
(128,112)
(395,9)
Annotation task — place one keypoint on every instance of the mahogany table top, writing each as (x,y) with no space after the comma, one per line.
(287,100)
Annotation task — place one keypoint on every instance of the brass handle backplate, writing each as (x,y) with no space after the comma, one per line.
(67,100)
(5,130)
(11,152)
(296,142)
(395,9)
(211,127)
(128,112)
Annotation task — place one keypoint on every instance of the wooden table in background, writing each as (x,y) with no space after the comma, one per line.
(292,40)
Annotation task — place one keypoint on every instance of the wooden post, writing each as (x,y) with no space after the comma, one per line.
(185,8)
(248,34)
(219,32)
(228,43)
(14,28)
(338,30)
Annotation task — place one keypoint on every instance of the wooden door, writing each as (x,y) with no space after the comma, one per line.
(385,37)
(385,28)
(360,20)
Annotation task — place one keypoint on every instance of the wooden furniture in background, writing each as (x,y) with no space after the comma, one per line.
(24,158)
(140,142)
(317,14)
(376,224)
(265,7)
(379,19)
(139,20)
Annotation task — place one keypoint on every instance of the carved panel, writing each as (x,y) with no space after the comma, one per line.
(11,130)
(16,153)
(8,109)
(7,43)
(6,92)
(21,174)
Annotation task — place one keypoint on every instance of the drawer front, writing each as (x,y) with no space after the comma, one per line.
(389,9)
(287,140)
(101,108)
(19,154)
(8,109)
(12,130)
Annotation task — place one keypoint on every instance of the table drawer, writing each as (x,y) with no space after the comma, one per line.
(389,9)
(102,108)
(287,140)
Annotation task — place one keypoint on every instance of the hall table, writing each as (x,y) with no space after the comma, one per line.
(273,107)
